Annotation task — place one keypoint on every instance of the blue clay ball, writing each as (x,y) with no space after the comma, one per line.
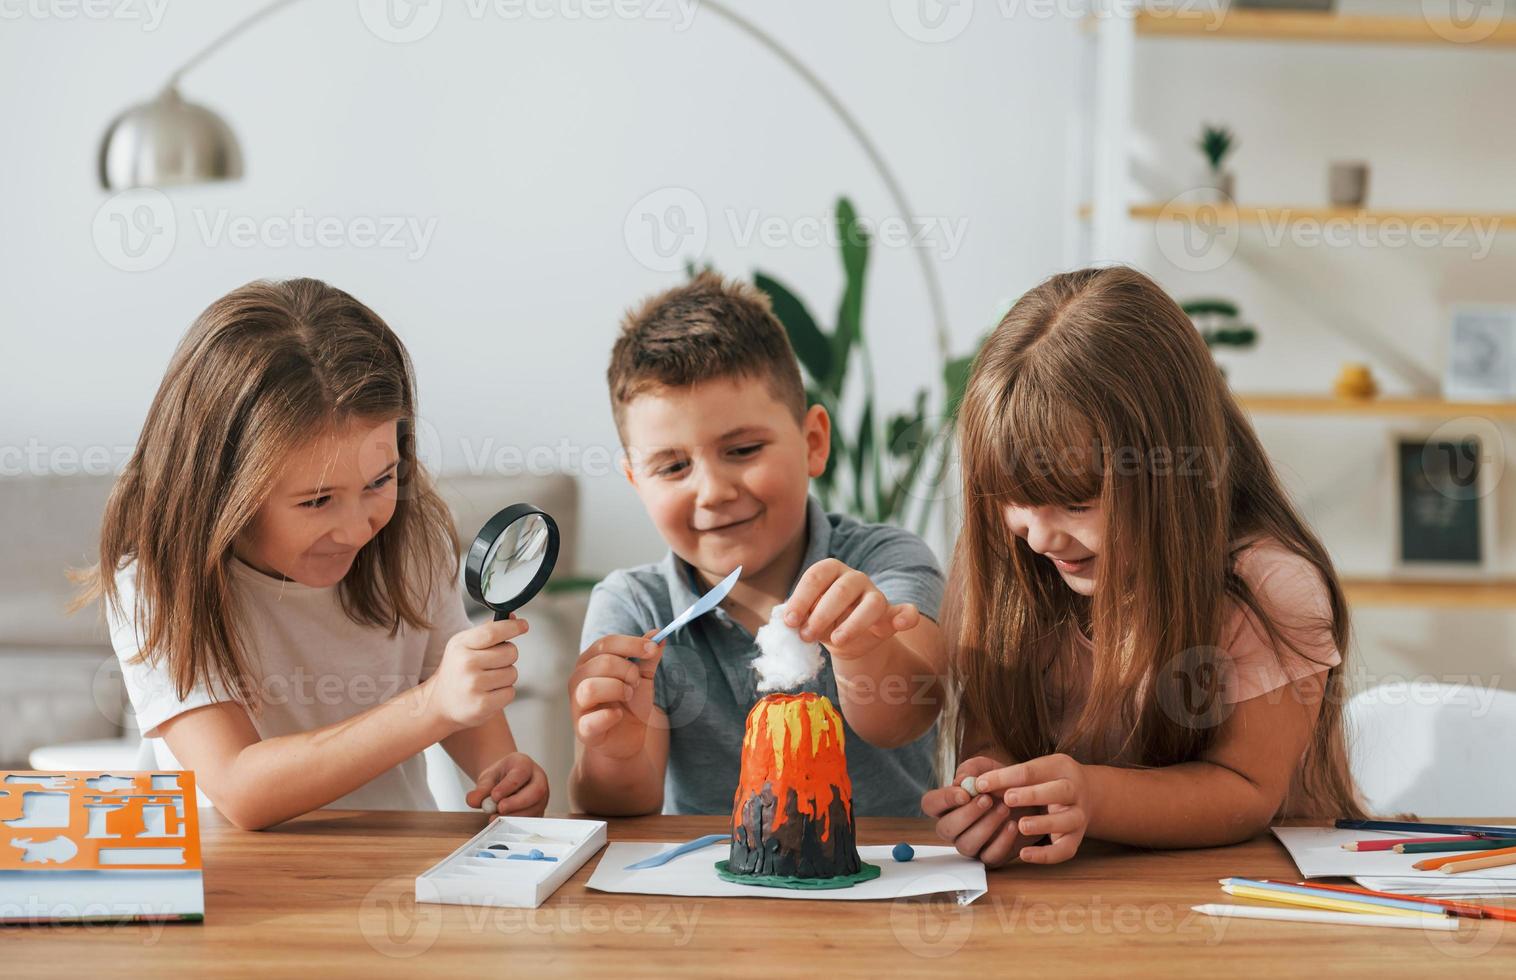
(903,852)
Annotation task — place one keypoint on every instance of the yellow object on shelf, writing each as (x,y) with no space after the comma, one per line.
(1355,380)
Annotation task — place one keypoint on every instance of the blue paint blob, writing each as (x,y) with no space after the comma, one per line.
(903,852)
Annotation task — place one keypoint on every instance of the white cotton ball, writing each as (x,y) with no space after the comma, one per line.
(784,660)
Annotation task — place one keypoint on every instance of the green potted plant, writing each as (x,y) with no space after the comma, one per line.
(1219,323)
(1216,143)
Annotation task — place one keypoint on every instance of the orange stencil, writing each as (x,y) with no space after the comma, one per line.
(91,820)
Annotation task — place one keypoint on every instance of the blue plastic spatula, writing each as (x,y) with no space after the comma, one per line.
(664,857)
(702,605)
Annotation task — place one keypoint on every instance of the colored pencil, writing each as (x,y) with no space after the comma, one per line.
(1327,918)
(1431,847)
(1494,859)
(1385,844)
(1470,910)
(1436,864)
(1415,826)
(1324,902)
(1400,903)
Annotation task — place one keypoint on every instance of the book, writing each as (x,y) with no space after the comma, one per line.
(99,847)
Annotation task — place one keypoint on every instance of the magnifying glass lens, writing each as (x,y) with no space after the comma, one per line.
(515,559)
(511,558)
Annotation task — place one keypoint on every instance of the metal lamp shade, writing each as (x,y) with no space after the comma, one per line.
(168,141)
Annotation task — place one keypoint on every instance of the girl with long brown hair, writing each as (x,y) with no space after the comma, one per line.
(1146,636)
(280,576)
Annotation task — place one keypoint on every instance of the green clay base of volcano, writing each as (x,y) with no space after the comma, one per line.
(866,872)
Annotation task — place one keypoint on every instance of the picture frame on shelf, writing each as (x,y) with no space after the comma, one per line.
(1442,503)
(1481,354)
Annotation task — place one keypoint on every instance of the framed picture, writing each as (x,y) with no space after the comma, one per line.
(1481,364)
(1443,503)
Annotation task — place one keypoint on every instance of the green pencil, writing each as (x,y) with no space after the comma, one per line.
(1432,847)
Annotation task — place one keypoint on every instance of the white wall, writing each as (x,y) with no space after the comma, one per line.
(527,141)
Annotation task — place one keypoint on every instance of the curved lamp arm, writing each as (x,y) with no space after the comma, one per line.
(262,13)
(849,122)
(891,184)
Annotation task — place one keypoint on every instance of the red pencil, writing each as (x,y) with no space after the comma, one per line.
(1467,910)
(1387,845)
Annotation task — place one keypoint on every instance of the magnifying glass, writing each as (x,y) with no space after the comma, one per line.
(511,559)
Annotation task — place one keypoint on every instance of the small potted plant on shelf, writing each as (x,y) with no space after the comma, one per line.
(1216,142)
(1219,323)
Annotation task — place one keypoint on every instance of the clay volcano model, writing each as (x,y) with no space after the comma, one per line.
(792,818)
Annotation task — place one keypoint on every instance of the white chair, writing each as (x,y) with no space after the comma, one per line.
(99,755)
(1435,750)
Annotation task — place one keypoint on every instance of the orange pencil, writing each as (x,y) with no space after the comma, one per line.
(1490,859)
(1470,910)
(1433,864)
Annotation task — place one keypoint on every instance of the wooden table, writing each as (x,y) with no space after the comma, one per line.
(331,894)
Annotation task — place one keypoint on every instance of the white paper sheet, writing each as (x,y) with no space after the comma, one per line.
(932,870)
(1318,852)
(1428,887)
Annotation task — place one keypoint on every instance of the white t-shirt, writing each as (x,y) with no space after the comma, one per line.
(311,667)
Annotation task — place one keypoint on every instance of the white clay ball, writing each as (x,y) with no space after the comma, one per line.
(970,786)
(489,805)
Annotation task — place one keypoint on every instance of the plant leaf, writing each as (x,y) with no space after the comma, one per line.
(1208,307)
(812,347)
(855,259)
(863,453)
(909,440)
(955,379)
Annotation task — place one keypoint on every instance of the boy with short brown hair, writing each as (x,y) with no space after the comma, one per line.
(721,448)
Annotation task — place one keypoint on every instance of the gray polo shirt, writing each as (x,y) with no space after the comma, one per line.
(706,684)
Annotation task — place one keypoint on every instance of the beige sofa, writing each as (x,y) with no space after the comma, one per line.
(62,704)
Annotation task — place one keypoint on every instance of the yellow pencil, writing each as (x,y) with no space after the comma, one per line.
(1314,902)
(1494,859)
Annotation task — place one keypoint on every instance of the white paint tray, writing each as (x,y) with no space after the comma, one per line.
(465,877)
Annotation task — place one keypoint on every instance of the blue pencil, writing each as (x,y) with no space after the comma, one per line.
(1435,828)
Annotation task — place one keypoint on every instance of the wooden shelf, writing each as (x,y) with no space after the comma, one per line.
(1382,407)
(1410,593)
(1286,215)
(1265,25)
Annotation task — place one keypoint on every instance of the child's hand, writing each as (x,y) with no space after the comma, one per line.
(981,827)
(477,676)
(516,783)
(841,608)
(611,693)
(1053,781)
